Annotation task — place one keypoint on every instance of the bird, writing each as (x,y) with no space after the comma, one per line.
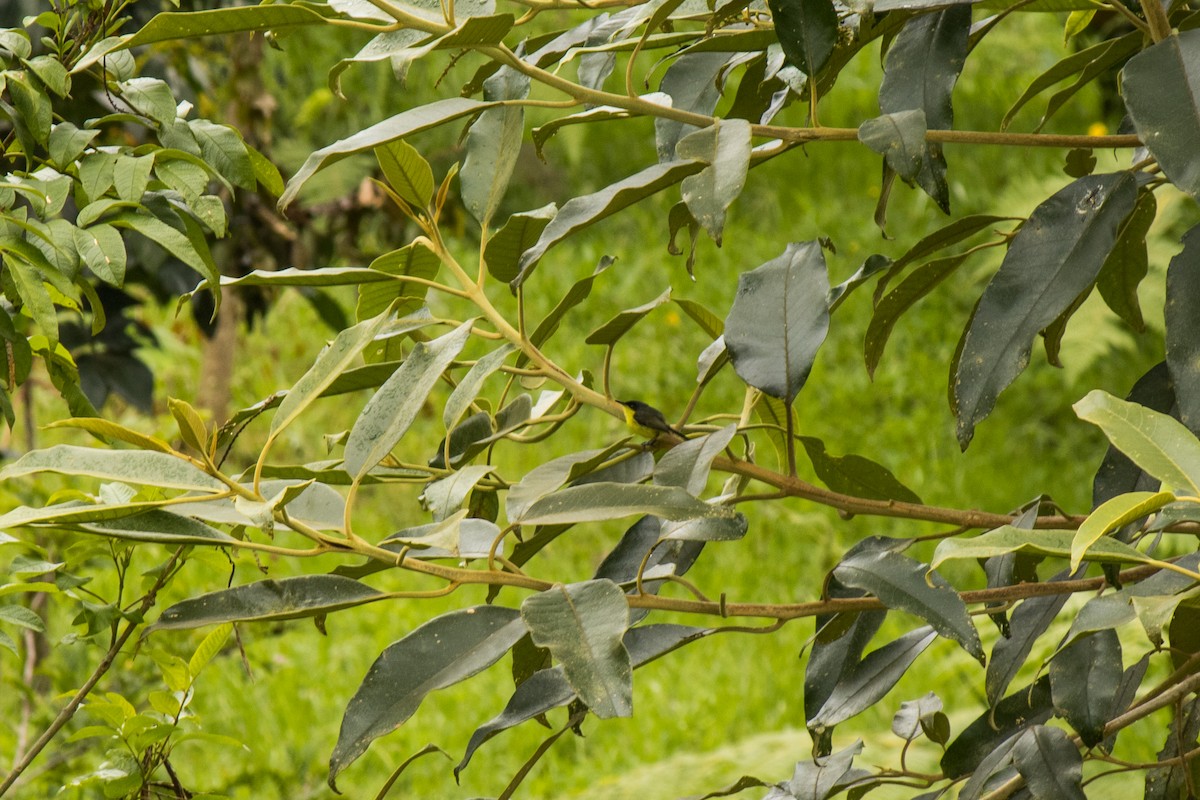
(646,420)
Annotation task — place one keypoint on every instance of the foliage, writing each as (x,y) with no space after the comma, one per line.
(427,318)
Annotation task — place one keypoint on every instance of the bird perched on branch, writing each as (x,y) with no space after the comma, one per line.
(646,420)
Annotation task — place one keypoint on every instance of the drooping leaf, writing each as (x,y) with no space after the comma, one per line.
(922,67)
(1055,256)
(1171,781)
(578,292)
(1117,474)
(111,430)
(1128,264)
(1050,764)
(468,388)
(442,652)
(593,502)
(612,330)
(187,248)
(1180,312)
(582,625)
(503,251)
(855,475)
(129,466)
(900,139)
(901,583)
(407,172)
(640,548)
(289,598)
(1084,679)
(155,525)
(725,147)
(946,236)
(692,84)
(399,126)
(822,777)
(687,464)
(1029,621)
(493,144)
(807,31)
(580,212)
(1160,445)
(870,679)
(392,409)
(1028,706)
(1161,87)
(548,477)
(779,319)
(1119,511)
(907,723)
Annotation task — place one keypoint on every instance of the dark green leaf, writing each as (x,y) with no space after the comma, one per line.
(290,598)
(157,525)
(869,680)
(1050,764)
(103,250)
(1029,621)
(493,144)
(578,292)
(1172,781)
(468,388)
(779,319)
(582,625)
(854,475)
(224,150)
(190,251)
(503,251)
(406,172)
(593,502)
(916,715)
(1055,256)
(922,67)
(1084,679)
(1161,87)
(1029,706)
(174,25)
(820,778)
(900,139)
(692,83)
(1182,306)
(1128,264)
(944,237)
(610,332)
(442,652)
(901,583)
(1106,53)
(725,147)
(807,31)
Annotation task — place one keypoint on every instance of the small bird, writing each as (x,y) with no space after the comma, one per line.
(646,420)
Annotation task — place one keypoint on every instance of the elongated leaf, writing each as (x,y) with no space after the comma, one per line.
(442,652)
(129,466)
(111,430)
(399,126)
(641,549)
(390,412)
(158,526)
(946,236)
(171,26)
(1128,264)
(546,478)
(779,319)
(580,212)
(493,144)
(443,497)
(1055,256)
(581,625)
(321,276)
(725,147)
(854,475)
(503,251)
(1057,544)
(1183,350)
(578,292)
(1107,52)
(1084,679)
(611,332)
(1161,87)
(692,83)
(188,249)
(1029,621)
(1121,510)
(406,172)
(593,502)
(901,583)
(869,680)
(909,722)
(290,598)
(468,388)
(1050,764)
(332,362)
(922,67)
(688,464)
(1117,474)
(1160,445)
(807,31)
(1029,706)
(1171,781)
(103,250)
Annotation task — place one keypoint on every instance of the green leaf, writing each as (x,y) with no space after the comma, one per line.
(910,721)
(905,584)
(580,212)
(1084,679)
(581,624)
(610,332)
(67,143)
(444,497)
(1103,56)
(156,525)
(688,464)
(922,67)
(1128,264)
(266,173)
(171,26)
(400,126)
(406,172)
(128,466)
(1113,514)
(855,475)
(34,295)
(692,82)
(191,251)
(411,261)
(111,430)
(1161,87)
(1057,544)
(1055,256)
(33,105)
(725,147)
(319,277)
(503,251)
(951,234)
(290,598)
(603,500)
(548,477)
(469,386)
(779,320)
(578,292)
(869,680)
(1029,706)
(1029,621)
(209,648)
(1160,445)
(1050,763)
(131,176)
(390,412)
(709,322)
(807,31)
(493,144)
(440,653)
(103,250)
(899,300)
(25,618)
(332,362)
(191,425)
(1183,348)
(224,150)
(900,139)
